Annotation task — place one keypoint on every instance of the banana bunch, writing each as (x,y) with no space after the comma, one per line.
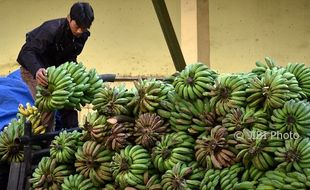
(293,86)
(112,101)
(224,179)
(261,68)
(77,135)
(178,178)
(27,110)
(221,179)
(193,81)
(211,179)
(118,134)
(10,151)
(261,120)
(269,92)
(295,155)
(206,119)
(252,174)
(294,116)
(32,114)
(172,149)
(150,183)
(80,79)
(94,126)
(171,110)
(148,129)
(63,147)
(302,74)
(93,161)
(95,85)
(170,79)
(49,175)
(193,116)
(129,166)
(278,179)
(215,150)
(228,92)
(147,95)
(77,181)
(257,147)
(239,118)
(245,185)
(110,187)
(58,91)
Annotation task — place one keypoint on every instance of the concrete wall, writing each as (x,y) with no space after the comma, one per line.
(126,37)
(244,31)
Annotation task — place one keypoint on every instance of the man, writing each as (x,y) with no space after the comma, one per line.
(54,43)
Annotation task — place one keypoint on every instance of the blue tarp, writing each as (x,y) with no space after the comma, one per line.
(13,91)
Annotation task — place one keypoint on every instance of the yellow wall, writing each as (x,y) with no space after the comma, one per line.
(244,31)
(126,37)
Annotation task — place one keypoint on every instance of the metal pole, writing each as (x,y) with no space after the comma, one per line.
(38,138)
(169,33)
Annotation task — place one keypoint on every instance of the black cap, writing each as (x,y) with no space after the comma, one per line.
(83,14)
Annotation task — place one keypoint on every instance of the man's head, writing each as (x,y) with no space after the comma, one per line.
(80,18)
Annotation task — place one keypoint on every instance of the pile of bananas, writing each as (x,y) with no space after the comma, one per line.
(10,151)
(112,101)
(93,161)
(77,181)
(32,114)
(172,149)
(215,150)
(49,174)
(129,166)
(149,128)
(193,81)
(194,130)
(64,146)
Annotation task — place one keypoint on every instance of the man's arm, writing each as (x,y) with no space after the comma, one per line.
(29,55)
(37,42)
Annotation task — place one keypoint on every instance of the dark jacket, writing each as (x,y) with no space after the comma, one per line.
(50,44)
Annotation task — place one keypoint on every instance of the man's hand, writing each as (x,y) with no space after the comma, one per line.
(41,77)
